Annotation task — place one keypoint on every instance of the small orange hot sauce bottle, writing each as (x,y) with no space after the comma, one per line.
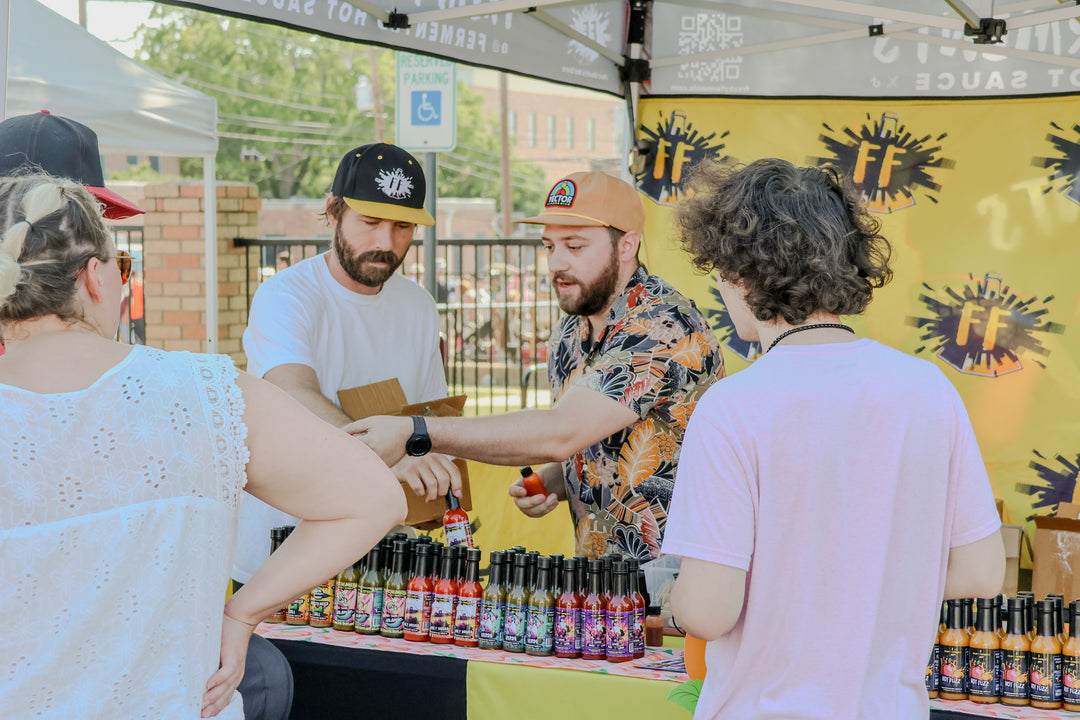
(954,644)
(533,483)
(444,604)
(1044,674)
(1014,686)
(418,597)
(467,614)
(983,654)
(456,523)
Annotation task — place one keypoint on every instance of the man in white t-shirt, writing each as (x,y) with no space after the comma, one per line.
(346,318)
(830,495)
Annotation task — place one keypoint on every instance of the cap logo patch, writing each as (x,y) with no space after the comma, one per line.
(562,195)
(394,183)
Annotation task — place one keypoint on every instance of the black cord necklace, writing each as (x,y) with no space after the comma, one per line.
(815,326)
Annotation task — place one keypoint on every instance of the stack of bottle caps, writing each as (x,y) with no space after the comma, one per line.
(1013,651)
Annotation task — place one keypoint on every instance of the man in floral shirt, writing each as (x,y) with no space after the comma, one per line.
(628,364)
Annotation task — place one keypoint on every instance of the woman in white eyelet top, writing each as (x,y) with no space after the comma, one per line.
(120,473)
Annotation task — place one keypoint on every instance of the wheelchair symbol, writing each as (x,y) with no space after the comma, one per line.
(425,111)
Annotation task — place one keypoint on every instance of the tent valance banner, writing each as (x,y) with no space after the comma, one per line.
(980,200)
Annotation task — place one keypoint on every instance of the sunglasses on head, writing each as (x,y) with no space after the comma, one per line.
(123,261)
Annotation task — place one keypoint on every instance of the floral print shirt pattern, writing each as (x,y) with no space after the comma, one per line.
(657,355)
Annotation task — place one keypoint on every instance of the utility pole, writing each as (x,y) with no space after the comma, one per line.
(504,158)
(376,91)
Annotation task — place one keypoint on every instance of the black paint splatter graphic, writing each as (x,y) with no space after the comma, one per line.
(1057,485)
(720,320)
(984,327)
(885,161)
(677,147)
(1066,166)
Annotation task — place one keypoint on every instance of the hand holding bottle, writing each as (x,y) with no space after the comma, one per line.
(532,505)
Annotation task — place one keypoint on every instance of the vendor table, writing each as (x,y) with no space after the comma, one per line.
(348,675)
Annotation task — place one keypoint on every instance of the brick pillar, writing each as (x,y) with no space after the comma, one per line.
(175,269)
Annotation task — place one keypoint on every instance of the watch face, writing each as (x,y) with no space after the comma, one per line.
(418,445)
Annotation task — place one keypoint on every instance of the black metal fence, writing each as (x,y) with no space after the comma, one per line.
(133,305)
(496,309)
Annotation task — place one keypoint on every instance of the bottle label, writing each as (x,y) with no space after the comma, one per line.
(365,609)
(321,605)
(1041,682)
(417,612)
(514,626)
(1070,679)
(491,622)
(442,615)
(982,680)
(595,640)
(933,670)
(538,629)
(999,671)
(298,609)
(952,669)
(566,635)
(458,533)
(377,611)
(465,619)
(1014,667)
(394,610)
(344,603)
(637,632)
(618,634)
(579,630)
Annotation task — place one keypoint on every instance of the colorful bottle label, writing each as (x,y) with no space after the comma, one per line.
(368,609)
(579,629)
(345,603)
(933,669)
(999,671)
(1070,679)
(982,676)
(297,611)
(458,533)
(1044,670)
(538,629)
(1014,668)
(465,625)
(491,623)
(618,634)
(595,631)
(321,606)
(442,615)
(393,610)
(566,630)
(514,626)
(637,632)
(417,612)
(953,672)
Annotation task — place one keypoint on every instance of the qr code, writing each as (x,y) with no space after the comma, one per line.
(705,32)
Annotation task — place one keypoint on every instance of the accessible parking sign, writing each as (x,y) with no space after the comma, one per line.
(426,103)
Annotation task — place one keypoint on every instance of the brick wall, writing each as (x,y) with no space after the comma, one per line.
(175,268)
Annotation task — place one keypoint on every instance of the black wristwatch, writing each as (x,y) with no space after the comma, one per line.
(418,443)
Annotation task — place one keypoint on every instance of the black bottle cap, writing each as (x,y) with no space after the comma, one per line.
(543,563)
(472,555)
(652,609)
(525,471)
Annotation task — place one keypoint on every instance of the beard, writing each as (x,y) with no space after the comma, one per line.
(358,265)
(592,297)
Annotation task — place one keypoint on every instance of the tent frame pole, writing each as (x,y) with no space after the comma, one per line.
(210,233)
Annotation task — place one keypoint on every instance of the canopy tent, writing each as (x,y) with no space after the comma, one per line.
(56,65)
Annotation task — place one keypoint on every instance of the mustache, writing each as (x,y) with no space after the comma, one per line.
(381,256)
(563,277)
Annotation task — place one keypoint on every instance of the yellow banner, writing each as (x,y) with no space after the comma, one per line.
(981,203)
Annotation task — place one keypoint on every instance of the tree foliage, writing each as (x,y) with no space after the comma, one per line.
(286,112)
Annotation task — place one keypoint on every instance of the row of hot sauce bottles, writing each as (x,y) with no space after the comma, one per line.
(420,590)
(1014,651)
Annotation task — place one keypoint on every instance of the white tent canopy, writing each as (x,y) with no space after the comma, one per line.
(53,64)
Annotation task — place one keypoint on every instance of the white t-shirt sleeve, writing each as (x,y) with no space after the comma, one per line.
(279,330)
(433,372)
(712,513)
(974,510)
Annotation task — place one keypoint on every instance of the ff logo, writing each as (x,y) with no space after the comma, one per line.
(981,328)
(1057,485)
(676,147)
(1066,165)
(720,320)
(884,161)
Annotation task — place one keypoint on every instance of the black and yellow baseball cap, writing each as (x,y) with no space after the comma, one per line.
(383,181)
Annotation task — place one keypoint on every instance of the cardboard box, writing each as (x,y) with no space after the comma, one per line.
(1056,555)
(1012,536)
(387,398)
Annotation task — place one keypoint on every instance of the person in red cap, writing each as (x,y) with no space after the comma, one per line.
(627,365)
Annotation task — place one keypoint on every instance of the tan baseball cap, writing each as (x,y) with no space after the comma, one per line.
(593,199)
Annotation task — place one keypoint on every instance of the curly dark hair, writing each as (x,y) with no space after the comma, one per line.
(798,239)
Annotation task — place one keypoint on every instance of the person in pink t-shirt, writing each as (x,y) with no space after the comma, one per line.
(830,495)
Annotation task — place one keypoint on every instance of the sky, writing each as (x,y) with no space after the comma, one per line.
(112,21)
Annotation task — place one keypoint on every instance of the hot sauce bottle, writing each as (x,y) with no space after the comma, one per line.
(468,605)
(492,606)
(444,602)
(1044,669)
(369,595)
(568,614)
(637,627)
(1014,663)
(540,617)
(297,611)
(581,572)
(394,594)
(532,482)
(954,645)
(556,574)
(620,617)
(456,523)
(418,597)
(345,595)
(517,606)
(321,606)
(1070,661)
(593,616)
(983,655)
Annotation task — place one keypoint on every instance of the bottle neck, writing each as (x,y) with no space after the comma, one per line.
(985,621)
